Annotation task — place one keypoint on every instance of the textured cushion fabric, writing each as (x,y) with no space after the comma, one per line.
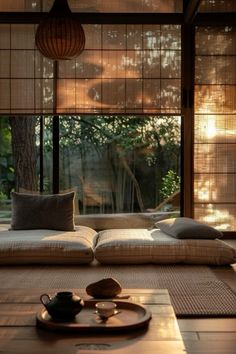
(55,212)
(187,228)
(47,246)
(137,246)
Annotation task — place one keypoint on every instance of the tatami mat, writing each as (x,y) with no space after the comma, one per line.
(194,290)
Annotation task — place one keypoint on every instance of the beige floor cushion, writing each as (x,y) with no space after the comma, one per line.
(184,228)
(136,246)
(47,246)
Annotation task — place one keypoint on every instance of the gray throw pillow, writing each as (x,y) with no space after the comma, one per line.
(55,212)
(187,228)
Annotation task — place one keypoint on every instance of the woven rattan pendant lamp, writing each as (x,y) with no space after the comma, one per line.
(59,36)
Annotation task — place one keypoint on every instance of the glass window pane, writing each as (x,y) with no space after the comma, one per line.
(121,164)
(7,179)
(20,162)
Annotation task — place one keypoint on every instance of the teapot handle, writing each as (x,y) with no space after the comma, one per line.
(42,297)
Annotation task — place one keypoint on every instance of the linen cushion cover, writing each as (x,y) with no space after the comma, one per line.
(184,227)
(55,212)
(47,246)
(140,246)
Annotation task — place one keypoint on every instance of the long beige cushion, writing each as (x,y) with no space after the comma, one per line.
(47,246)
(137,246)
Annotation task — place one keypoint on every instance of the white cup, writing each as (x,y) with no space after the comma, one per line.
(105,308)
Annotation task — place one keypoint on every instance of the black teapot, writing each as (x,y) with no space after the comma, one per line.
(64,306)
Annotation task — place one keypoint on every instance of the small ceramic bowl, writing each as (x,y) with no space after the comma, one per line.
(105,309)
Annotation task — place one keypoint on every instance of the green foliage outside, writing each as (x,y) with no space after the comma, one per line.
(6,160)
(3,196)
(146,148)
(170,184)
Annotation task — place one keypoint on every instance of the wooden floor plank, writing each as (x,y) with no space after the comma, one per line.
(207,325)
(210,347)
(218,336)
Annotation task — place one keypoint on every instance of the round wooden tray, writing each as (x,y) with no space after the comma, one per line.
(129,316)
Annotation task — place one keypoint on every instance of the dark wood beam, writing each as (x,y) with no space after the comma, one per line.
(187,85)
(201,19)
(56,154)
(190,10)
(41,155)
(93,18)
(55,136)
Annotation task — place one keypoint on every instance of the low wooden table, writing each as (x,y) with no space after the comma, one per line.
(19,334)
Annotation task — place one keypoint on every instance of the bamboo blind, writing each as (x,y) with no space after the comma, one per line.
(215,127)
(217,6)
(123,69)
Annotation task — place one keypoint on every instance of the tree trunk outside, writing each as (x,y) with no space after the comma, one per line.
(24,152)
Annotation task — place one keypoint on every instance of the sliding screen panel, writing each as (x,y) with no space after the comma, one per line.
(215,127)
(123,69)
